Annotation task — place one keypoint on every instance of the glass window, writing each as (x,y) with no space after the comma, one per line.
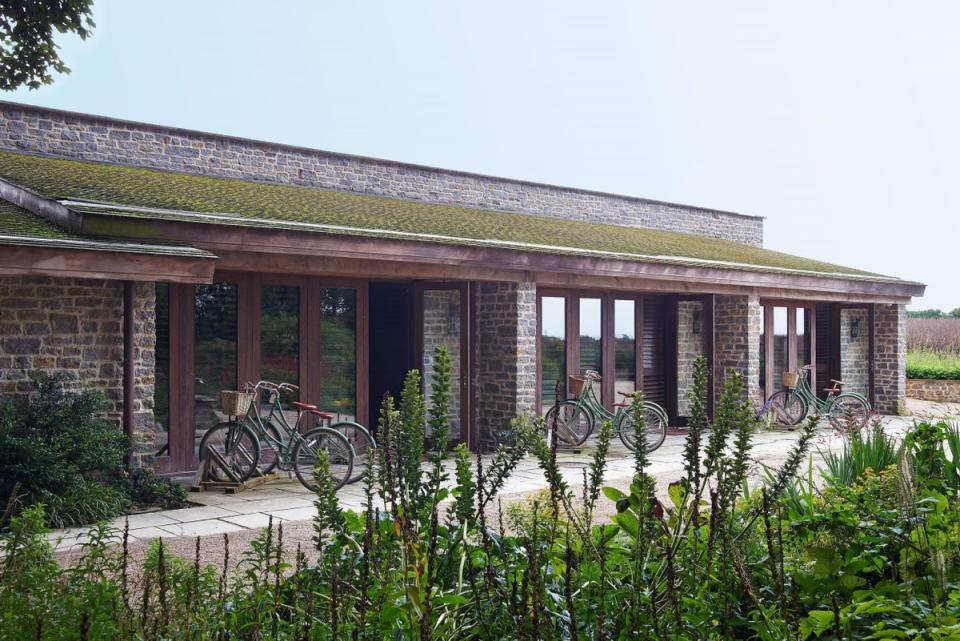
(553,349)
(591,350)
(338,352)
(779,345)
(625,345)
(441,327)
(280,339)
(803,342)
(215,351)
(161,390)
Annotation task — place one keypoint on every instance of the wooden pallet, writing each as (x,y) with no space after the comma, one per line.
(213,459)
(232,487)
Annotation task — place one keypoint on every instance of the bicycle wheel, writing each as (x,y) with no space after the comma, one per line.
(237,444)
(269,456)
(787,407)
(574,424)
(339,453)
(359,438)
(849,411)
(656,427)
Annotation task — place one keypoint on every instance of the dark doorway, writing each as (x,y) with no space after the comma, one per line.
(391,341)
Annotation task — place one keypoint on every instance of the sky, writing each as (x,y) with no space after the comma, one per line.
(838,122)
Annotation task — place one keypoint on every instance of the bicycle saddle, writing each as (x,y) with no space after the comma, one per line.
(313,409)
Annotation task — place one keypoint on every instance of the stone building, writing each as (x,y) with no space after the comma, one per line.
(161,265)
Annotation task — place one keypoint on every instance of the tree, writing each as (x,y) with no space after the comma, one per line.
(955,313)
(28,54)
(925,313)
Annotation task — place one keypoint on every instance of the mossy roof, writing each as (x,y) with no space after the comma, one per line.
(21,227)
(129,191)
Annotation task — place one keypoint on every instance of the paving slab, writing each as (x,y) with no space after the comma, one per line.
(202,528)
(203,513)
(267,505)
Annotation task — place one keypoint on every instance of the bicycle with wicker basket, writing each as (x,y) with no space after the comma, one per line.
(577,417)
(260,443)
(792,404)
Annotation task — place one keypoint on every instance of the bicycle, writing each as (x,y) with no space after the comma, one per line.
(578,416)
(791,405)
(240,442)
(272,440)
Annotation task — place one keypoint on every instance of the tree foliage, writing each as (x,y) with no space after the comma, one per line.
(28,53)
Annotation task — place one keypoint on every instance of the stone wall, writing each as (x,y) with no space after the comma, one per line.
(73,328)
(855,351)
(736,326)
(87,137)
(506,356)
(441,328)
(690,345)
(941,391)
(889,358)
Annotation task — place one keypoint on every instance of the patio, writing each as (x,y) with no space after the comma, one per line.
(287,501)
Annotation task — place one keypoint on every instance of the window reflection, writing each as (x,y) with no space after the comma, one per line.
(553,349)
(625,345)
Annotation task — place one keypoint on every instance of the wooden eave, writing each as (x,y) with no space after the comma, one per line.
(106,264)
(247,248)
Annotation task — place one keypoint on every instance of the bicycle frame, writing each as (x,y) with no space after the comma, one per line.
(588,403)
(278,420)
(822,406)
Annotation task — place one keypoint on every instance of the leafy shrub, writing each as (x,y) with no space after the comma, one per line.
(145,488)
(58,452)
(933,365)
(874,559)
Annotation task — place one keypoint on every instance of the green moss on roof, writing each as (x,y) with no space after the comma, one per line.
(134,187)
(16,222)
(19,226)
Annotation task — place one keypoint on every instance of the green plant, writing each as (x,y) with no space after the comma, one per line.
(922,364)
(54,446)
(870,449)
(145,488)
(876,558)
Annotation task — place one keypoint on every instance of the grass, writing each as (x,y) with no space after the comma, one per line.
(928,364)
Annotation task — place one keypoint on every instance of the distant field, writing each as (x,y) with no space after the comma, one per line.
(934,335)
(933,348)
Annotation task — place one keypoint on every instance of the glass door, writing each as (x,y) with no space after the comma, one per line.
(442,313)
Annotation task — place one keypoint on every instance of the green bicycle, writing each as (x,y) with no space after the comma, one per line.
(791,405)
(261,444)
(578,417)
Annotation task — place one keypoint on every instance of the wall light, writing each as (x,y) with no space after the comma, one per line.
(697,323)
(855,327)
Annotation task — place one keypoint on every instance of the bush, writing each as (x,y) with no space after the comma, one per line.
(933,365)
(56,450)
(145,488)
(875,559)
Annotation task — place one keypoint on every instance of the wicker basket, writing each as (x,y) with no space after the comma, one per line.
(234,403)
(576,385)
(790,379)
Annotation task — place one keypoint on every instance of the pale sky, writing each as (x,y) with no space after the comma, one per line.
(838,122)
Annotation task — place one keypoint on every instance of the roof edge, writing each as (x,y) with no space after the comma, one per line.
(224,218)
(46,208)
(359,157)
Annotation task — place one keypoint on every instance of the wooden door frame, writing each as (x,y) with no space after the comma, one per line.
(181,437)
(810,334)
(467,434)
(608,339)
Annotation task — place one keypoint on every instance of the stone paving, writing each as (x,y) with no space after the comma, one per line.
(287,500)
